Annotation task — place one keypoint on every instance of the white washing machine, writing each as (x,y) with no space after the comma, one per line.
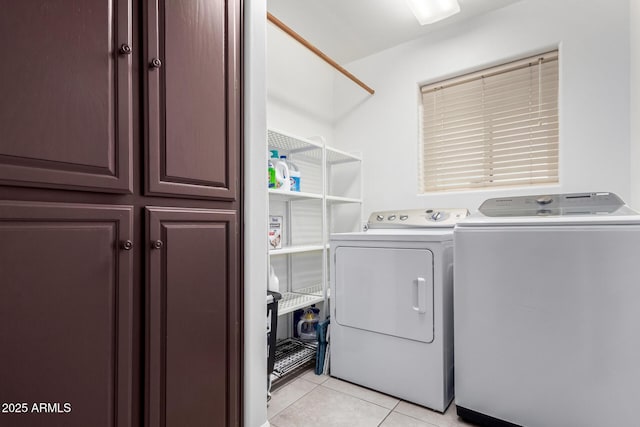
(391,305)
(547,312)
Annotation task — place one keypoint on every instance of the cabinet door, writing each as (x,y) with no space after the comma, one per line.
(193,356)
(193,98)
(65,115)
(65,314)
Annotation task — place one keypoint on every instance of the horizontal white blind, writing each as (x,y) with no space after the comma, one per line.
(496,127)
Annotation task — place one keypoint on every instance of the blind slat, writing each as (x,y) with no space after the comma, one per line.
(496,170)
(449,96)
(478,108)
(482,141)
(459,133)
(498,180)
(515,183)
(477,160)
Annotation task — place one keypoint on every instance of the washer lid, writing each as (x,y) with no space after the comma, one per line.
(576,208)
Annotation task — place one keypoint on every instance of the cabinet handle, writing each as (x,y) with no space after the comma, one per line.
(157,244)
(127,245)
(125,49)
(156,63)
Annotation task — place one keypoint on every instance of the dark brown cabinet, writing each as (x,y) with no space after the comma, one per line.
(65,115)
(65,314)
(192,301)
(192,65)
(129,313)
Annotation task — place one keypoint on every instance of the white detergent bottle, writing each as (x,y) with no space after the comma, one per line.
(274,282)
(282,175)
(294,174)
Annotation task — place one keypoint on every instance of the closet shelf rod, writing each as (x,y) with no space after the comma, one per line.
(278,23)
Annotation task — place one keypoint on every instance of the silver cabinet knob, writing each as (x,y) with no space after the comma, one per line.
(391,218)
(125,49)
(380,218)
(404,217)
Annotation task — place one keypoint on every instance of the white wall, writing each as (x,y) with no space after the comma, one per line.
(299,88)
(635,104)
(593,37)
(255,216)
(300,101)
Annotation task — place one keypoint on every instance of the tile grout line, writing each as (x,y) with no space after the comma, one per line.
(385,417)
(292,403)
(364,388)
(359,398)
(418,419)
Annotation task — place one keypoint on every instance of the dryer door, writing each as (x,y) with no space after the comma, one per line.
(385,290)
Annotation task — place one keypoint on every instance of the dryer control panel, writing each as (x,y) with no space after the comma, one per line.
(417,218)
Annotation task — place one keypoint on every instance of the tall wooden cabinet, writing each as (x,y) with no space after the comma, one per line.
(120,213)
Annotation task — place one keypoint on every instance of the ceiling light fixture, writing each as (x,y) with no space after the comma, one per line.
(430,11)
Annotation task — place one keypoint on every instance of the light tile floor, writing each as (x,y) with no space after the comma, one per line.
(313,400)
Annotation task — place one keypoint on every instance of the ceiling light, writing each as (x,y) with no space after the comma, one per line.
(430,11)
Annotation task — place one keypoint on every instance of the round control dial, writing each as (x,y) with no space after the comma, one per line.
(438,216)
(544,200)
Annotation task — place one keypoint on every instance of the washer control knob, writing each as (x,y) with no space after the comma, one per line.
(391,217)
(404,217)
(544,200)
(437,216)
(380,218)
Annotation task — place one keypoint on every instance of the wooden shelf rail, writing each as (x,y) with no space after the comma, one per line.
(278,23)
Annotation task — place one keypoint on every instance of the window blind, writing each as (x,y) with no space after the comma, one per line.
(495,127)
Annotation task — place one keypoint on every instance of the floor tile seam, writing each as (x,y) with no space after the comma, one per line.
(367,389)
(385,418)
(355,397)
(422,421)
(409,416)
(292,403)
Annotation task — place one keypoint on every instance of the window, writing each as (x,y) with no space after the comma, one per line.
(493,128)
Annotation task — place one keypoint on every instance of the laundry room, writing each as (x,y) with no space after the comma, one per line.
(335,213)
(366,79)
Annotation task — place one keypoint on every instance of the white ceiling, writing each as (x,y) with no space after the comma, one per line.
(347,30)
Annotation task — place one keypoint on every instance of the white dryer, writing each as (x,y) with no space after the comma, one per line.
(547,312)
(391,305)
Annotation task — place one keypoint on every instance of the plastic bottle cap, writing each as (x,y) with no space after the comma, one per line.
(274,154)
(283,157)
